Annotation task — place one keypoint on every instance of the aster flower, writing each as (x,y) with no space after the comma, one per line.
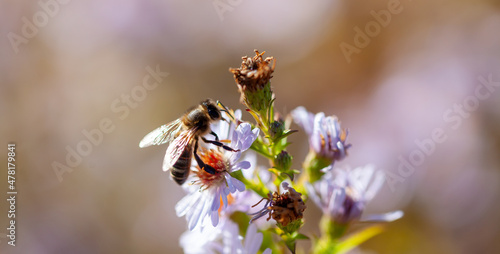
(326,138)
(343,194)
(224,239)
(284,208)
(207,191)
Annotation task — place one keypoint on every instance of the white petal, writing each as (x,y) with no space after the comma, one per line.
(185,203)
(327,169)
(386,217)
(237,114)
(377,183)
(206,210)
(361,176)
(230,238)
(224,130)
(251,157)
(193,215)
(233,157)
(256,132)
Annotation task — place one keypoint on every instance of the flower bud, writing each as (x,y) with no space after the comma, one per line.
(283,161)
(276,130)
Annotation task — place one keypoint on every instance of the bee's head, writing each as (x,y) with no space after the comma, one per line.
(212,109)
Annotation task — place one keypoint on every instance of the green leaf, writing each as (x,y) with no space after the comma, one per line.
(270,112)
(290,244)
(287,174)
(287,133)
(300,236)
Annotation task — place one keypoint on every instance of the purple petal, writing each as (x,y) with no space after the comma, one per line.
(216,201)
(224,198)
(337,199)
(215,218)
(230,186)
(286,185)
(242,165)
(304,119)
(253,239)
(315,140)
(330,126)
(238,185)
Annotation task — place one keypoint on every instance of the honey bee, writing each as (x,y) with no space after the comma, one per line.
(182,137)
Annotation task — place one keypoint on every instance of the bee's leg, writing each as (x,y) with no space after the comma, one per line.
(200,162)
(220,144)
(215,135)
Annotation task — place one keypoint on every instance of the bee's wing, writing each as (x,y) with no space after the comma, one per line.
(161,135)
(176,148)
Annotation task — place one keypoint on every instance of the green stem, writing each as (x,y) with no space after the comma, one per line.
(261,149)
(258,188)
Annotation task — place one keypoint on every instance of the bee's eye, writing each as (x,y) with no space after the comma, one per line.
(213,112)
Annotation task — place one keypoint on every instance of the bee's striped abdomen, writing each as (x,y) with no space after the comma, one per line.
(180,170)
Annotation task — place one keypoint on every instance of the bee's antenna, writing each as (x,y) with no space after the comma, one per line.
(224,109)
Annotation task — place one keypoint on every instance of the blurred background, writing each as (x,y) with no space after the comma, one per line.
(392,71)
